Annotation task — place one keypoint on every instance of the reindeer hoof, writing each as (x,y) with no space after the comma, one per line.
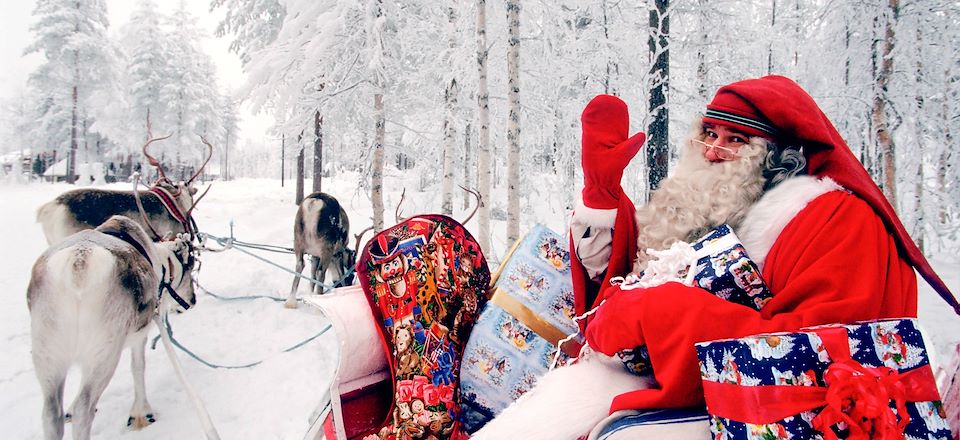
(290,304)
(140,422)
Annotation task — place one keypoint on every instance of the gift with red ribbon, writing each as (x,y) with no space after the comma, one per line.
(870,380)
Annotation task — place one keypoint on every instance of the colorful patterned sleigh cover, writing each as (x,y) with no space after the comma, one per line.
(505,355)
(425,280)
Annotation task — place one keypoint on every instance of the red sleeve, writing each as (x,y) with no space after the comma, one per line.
(621,259)
(834,262)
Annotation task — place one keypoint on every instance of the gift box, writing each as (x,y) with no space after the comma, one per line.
(723,268)
(865,380)
(515,338)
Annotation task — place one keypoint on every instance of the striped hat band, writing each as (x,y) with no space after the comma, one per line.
(755,124)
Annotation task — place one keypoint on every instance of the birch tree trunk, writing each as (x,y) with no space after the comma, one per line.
(513,121)
(317,151)
(449,129)
(919,196)
(376,175)
(483,141)
(703,68)
(467,161)
(943,162)
(773,28)
(300,161)
(658,130)
(377,53)
(881,125)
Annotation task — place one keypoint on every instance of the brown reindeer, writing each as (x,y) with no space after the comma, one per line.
(320,230)
(167,205)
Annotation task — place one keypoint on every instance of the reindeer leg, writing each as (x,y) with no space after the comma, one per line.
(141,415)
(292,298)
(317,272)
(52,377)
(97,369)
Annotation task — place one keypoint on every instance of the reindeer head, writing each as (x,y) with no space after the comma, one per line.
(177,263)
(183,191)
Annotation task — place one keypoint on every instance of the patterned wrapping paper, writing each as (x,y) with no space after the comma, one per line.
(504,357)
(723,269)
(802,359)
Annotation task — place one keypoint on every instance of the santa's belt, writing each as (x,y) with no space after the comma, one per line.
(529,318)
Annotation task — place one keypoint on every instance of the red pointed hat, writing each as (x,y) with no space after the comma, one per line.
(776,107)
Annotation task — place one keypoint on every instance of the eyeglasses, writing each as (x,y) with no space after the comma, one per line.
(723,153)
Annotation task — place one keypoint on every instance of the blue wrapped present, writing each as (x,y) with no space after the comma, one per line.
(723,268)
(515,338)
(865,380)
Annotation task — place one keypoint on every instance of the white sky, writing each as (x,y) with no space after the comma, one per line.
(16,18)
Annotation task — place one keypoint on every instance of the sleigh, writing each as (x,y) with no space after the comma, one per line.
(362,391)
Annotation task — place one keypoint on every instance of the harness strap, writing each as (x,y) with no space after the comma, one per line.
(165,285)
(123,235)
(170,203)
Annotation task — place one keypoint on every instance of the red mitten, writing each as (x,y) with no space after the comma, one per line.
(616,324)
(606,150)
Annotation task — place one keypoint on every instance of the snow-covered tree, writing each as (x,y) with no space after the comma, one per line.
(79,64)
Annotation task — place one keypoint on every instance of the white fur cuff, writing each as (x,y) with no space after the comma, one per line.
(584,215)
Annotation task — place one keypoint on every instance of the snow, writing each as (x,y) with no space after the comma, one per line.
(275,399)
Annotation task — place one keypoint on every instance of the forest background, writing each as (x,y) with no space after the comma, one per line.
(483,94)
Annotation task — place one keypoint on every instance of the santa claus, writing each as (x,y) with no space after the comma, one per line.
(766,160)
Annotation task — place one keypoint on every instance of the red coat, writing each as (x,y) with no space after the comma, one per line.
(835,261)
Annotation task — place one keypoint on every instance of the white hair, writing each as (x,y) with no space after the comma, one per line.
(700,195)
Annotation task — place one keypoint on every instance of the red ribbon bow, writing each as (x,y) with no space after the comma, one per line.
(857,395)
(860,396)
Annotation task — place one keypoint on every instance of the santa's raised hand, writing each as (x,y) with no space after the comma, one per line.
(606,150)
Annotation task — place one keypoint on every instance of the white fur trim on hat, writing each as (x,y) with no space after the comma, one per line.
(767,218)
(584,215)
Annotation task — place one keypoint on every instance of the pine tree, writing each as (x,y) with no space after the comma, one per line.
(79,63)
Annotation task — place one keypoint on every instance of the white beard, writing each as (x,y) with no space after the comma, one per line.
(699,196)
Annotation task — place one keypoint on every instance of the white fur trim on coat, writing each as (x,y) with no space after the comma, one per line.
(767,218)
(603,218)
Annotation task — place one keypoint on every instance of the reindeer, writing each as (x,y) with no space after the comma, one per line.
(89,296)
(167,205)
(320,230)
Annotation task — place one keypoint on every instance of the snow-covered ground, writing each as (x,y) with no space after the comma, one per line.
(273,399)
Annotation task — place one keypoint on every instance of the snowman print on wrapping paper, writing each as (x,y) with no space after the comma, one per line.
(556,256)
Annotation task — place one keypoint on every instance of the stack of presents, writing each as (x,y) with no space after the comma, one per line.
(451,345)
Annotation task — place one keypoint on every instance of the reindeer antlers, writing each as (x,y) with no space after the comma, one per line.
(156,164)
(477,206)
(396,212)
(153,161)
(209,155)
